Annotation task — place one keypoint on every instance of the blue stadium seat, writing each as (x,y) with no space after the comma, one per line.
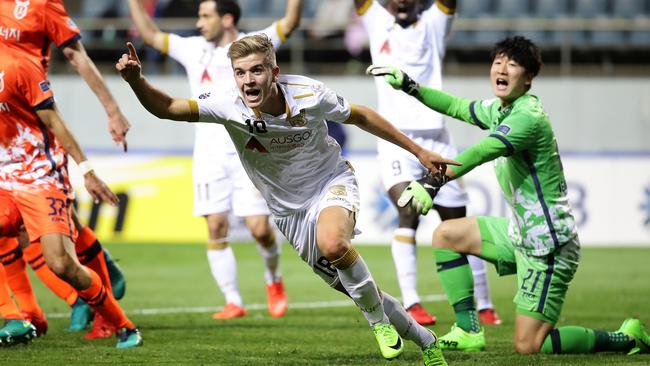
(590,8)
(628,8)
(474,8)
(550,8)
(511,8)
(639,39)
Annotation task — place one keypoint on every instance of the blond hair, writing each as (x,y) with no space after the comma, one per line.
(258,43)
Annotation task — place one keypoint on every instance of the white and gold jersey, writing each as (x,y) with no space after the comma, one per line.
(208,67)
(290,158)
(418,50)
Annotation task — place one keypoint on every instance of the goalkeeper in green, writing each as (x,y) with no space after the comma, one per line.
(540,242)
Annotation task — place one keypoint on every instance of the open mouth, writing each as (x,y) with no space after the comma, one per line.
(402,11)
(252,93)
(502,84)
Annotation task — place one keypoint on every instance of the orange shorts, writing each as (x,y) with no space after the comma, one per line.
(43,210)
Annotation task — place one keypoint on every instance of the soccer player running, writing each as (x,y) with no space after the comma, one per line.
(415,42)
(34,186)
(540,243)
(30,28)
(277,124)
(220,183)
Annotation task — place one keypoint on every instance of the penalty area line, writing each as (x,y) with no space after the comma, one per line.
(211,309)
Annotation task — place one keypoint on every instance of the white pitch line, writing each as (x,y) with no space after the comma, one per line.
(210,309)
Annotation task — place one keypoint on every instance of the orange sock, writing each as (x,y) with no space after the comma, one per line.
(91,254)
(12,258)
(34,256)
(103,302)
(8,308)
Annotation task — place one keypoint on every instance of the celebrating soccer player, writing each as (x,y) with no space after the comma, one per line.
(540,243)
(277,124)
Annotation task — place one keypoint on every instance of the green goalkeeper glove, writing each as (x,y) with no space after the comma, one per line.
(420,193)
(396,78)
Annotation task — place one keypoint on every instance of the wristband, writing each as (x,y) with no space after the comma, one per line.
(85,167)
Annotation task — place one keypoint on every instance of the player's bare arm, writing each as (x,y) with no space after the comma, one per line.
(370,121)
(118,125)
(159,103)
(95,186)
(148,29)
(292,15)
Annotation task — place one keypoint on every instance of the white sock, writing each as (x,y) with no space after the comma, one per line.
(224,270)
(404,257)
(271,256)
(361,287)
(481,287)
(406,326)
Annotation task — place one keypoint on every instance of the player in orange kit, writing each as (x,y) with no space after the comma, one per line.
(34,186)
(28,28)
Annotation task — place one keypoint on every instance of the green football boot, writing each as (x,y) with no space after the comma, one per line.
(118,281)
(635,329)
(390,343)
(16,331)
(458,339)
(80,317)
(128,338)
(432,355)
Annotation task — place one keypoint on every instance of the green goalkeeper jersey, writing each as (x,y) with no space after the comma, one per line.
(527,165)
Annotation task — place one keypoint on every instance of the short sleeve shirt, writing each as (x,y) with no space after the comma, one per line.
(290,157)
(29,153)
(30,26)
(531,176)
(418,50)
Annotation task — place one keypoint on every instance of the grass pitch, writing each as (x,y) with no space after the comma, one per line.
(171,295)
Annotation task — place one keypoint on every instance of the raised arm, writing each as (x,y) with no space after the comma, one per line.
(159,103)
(118,125)
(95,186)
(149,31)
(292,15)
(370,121)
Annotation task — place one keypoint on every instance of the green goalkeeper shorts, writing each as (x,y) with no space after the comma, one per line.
(542,281)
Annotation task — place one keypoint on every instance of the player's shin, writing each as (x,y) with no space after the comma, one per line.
(404,256)
(358,282)
(406,326)
(224,270)
(270,252)
(33,254)
(481,286)
(17,278)
(103,302)
(456,279)
(8,308)
(89,252)
(573,339)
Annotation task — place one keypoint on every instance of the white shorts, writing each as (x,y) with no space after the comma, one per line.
(300,227)
(227,190)
(398,165)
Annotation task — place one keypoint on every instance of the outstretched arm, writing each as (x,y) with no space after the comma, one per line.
(95,186)
(154,100)
(149,31)
(292,15)
(370,121)
(118,125)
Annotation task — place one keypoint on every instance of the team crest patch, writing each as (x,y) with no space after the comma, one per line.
(2,81)
(503,129)
(204,95)
(299,120)
(44,85)
(254,144)
(20,10)
(338,190)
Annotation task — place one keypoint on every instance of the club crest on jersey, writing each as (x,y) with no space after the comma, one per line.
(44,85)
(20,10)
(2,81)
(504,129)
(204,95)
(338,190)
(299,120)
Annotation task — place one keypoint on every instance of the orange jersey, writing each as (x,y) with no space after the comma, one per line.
(30,155)
(29,26)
